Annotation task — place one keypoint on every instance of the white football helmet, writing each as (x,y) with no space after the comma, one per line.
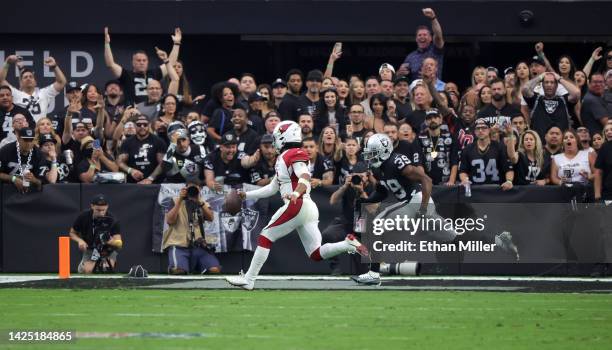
(285,132)
(377,150)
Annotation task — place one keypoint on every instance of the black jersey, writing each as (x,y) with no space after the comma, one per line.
(344,168)
(320,166)
(135,84)
(440,154)
(142,154)
(527,171)
(262,170)
(487,167)
(184,167)
(390,176)
(233,173)
(410,149)
(9,164)
(63,170)
(6,118)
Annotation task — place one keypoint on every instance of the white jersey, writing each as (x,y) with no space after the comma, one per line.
(570,168)
(285,174)
(40,103)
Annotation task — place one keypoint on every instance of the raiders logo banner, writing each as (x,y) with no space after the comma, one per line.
(226,232)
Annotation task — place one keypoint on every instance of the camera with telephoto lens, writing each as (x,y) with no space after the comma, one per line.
(201,242)
(193,192)
(356,179)
(102,235)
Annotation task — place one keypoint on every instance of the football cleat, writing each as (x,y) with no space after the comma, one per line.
(369,278)
(504,241)
(359,248)
(240,281)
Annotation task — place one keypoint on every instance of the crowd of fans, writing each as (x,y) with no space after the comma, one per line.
(532,124)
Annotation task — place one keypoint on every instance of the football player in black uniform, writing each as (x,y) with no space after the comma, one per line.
(395,173)
(485,161)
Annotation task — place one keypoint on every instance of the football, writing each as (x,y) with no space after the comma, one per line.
(232,203)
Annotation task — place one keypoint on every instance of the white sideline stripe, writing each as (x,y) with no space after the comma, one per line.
(26,278)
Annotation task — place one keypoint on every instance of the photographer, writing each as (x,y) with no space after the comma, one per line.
(97,233)
(356,185)
(185,240)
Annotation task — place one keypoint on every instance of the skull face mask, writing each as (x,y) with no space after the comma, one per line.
(197,132)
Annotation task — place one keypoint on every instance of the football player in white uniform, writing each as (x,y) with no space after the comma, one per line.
(299,212)
(39,102)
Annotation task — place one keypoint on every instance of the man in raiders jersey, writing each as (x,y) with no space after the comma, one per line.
(440,150)
(183,163)
(141,155)
(19,160)
(135,82)
(548,109)
(485,162)
(222,167)
(53,167)
(263,171)
(39,102)
(321,168)
(8,110)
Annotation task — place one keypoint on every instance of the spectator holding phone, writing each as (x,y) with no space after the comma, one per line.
(95,160)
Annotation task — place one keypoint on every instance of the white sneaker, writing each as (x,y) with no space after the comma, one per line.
(369,278)
(359,248)
(240,281)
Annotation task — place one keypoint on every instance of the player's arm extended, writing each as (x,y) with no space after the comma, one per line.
(264,192)
(416,174)
(303,174)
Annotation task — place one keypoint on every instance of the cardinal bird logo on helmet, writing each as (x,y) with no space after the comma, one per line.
(286,132)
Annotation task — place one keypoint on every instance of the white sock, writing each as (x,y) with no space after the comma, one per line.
(329,250)
(259,258)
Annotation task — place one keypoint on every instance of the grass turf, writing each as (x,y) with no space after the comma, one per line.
(237,319)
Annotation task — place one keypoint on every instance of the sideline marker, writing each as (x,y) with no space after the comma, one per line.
(64,257)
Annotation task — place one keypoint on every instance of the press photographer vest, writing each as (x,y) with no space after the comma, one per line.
(179,233)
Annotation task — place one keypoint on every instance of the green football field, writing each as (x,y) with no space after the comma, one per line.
(262,319)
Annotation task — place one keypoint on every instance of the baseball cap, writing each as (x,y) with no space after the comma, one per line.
(142,118)
(493,69)
(182,134)
(314,75)
(46,138)
(174,126)
(112,82)
(481,122)
(86,140)
(538,60)
(608,74)
(386,65)
(415,83)
(400,79)
(228,139)
(26,133)
(71,86)
(266,139)
(256,96)
(278,82)
(99,199)
(433,112)
(509,70)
